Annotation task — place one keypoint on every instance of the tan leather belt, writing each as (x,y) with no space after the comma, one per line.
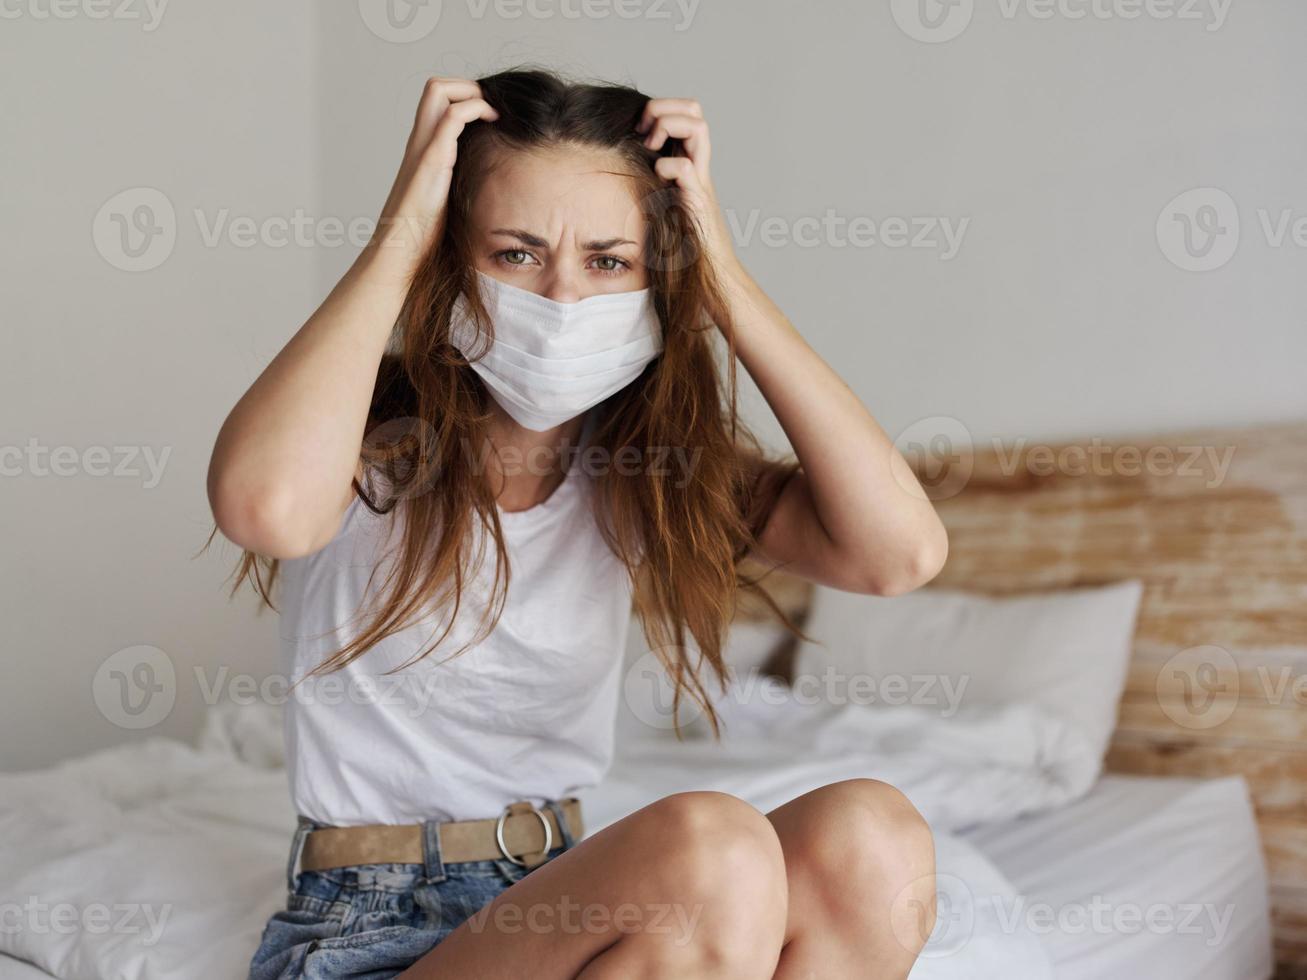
(522,834)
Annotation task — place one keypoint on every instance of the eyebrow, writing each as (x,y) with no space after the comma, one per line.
(535,241)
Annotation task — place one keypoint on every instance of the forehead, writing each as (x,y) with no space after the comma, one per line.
(565,190)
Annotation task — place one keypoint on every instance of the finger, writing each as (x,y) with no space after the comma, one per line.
(437,96)
(680,171)
(660,107)
(693,133)
(444,140)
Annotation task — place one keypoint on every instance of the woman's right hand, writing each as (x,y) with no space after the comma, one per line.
(282,469)
(414,214)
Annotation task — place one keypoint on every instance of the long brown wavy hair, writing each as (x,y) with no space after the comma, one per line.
(682,540)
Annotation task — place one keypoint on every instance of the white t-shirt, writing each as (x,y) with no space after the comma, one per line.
(528,713)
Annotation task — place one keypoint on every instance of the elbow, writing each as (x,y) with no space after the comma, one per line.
(259,519)
(918,566)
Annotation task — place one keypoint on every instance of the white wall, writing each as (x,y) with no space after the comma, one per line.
(214,107)
(1060,141)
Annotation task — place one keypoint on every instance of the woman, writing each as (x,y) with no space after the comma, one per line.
(461,463)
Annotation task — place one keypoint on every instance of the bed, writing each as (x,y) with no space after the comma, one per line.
(1214,524)
(216,819)
(1178,844)
(12,969)
(1145,842)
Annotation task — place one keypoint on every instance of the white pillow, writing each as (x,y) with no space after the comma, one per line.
(749,645)
(250,733)
(645,708)
(1065,652)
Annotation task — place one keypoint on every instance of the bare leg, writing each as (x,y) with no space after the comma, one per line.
(691,886)
(860,863)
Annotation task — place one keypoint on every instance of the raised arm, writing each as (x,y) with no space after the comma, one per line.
(854,517)
(280,476)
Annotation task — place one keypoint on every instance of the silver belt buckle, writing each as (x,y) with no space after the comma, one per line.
(499,831)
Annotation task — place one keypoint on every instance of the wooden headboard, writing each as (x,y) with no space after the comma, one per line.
(1215,525)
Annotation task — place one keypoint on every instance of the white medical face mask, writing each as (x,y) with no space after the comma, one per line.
(550,361)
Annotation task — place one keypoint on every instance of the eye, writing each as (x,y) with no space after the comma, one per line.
(611,265)
(514,256)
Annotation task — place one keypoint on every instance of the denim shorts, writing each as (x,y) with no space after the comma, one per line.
(377,920)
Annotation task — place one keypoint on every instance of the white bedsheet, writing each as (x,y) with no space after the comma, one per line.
(148,861)
(12,969)
(1140,878)
(1186,849)
(195,841)
(971,940)
(187,848)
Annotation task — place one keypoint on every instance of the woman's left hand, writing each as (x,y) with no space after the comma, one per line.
(854,518)
(682,119)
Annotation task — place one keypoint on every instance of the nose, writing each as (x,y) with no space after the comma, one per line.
(565,283)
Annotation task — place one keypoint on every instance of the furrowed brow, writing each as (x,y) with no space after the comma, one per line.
(525,237)
(535,241)
(603,245)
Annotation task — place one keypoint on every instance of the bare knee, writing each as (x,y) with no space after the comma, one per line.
(862,849)
(719,862)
